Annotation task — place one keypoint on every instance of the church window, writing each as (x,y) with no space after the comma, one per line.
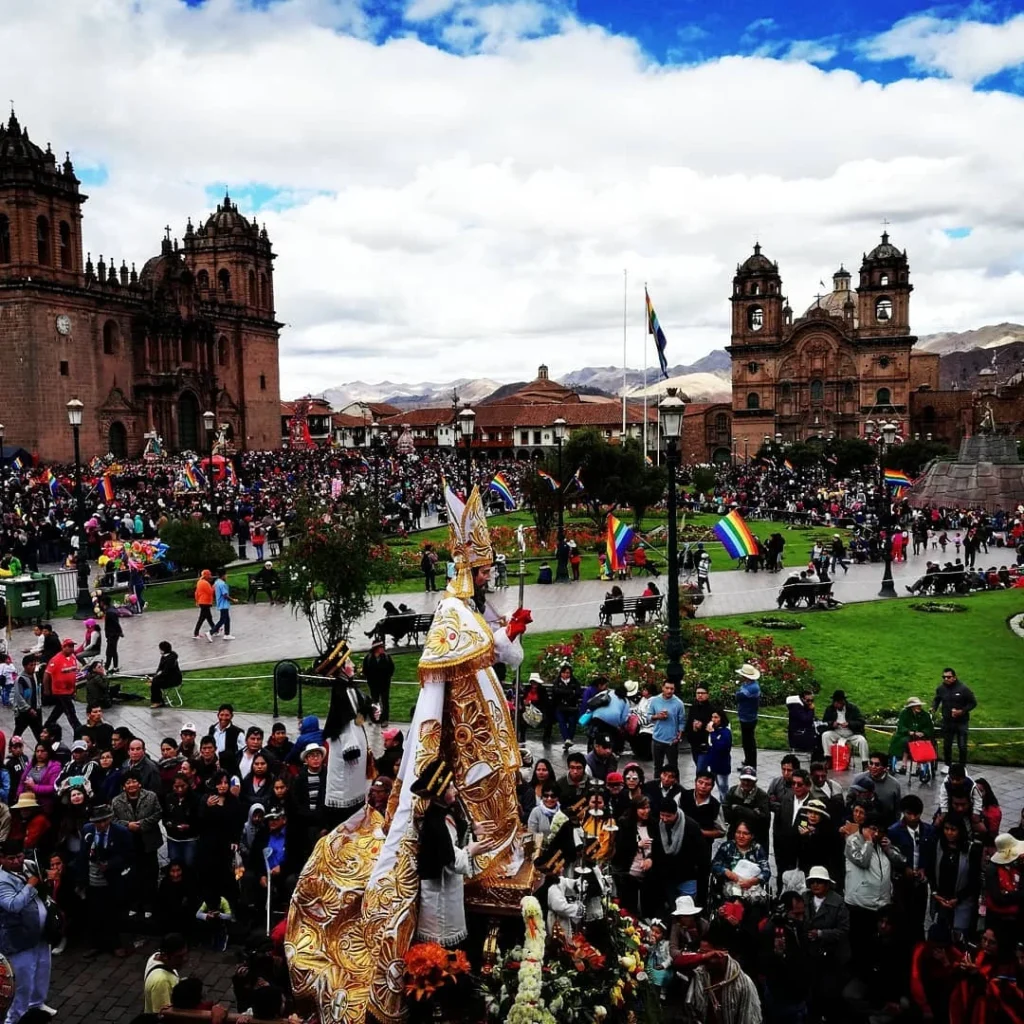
(786,389)
(224,282)
(263,382)
(883,280)
(755,288)
(5,239)
(64,370)
(264,294)
(817,390)
(752,367)
(43,240)
(721,423)
(929,414)
(254,299)
(755,318)
(848,389)
(771,288)
(110,338)
(203,280)
(186,349)
(753,400)
(883,397)
(222,351)
(65,246)
(883,310)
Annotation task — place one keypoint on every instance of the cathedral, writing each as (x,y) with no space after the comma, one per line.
(148,351)
(848,359)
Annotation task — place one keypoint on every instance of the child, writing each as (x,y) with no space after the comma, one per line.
(8,674)
(659,959)
(943,541)
(216,912)
(956,543)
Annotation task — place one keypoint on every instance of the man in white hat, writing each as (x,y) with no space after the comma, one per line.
(1002,889)
(748,702)
(828,931)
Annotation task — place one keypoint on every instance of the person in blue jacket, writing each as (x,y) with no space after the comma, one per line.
(748,701)
(309,732)
(718,758)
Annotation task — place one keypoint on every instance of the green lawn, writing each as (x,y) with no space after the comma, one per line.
(879,652)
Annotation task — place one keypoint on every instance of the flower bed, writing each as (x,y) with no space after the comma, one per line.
(712,657)
(771,622)
(939,607)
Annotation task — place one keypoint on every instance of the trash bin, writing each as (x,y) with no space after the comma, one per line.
(29,598)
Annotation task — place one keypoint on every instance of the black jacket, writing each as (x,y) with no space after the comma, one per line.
(179,813)
(831,921)
(854,717)
(956,696)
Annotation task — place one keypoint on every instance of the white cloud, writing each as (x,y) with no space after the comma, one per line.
(424,10)
(960,48)
(472,215)
(813,51)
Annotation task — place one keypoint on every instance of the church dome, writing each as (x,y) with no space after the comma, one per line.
(885,250)
(15,146)
(757,263)
(226,220)
(835,302)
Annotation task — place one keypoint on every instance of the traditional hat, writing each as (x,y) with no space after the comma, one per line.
(914,702)
(685,907)
(818,806)
(748,671)
(311,748)
(1008,849)
(433,780)
(469,539)
(632,687)
(819,874)
(26,801)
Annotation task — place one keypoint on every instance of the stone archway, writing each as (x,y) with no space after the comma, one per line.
(721,455)
(117,440)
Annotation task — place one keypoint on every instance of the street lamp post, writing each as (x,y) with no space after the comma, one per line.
(208,419)
(375,455)
(888,435)
(561,556)
(467,421)
(672,408)
(83,602)
(2,483)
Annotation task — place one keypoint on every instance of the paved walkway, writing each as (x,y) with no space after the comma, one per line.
(268,634)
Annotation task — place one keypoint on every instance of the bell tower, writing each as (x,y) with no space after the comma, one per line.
(40,211)
(883,296)
(757,300)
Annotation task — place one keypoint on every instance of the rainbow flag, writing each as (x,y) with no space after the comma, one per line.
(46,476)
(654,328)
(191,480)
(648,460)
(501,487)
(897,478)
(107,487)
(898,492)
(619,537)
(735,535)
(54,484)
(788,465)
(17,463)
(552,482)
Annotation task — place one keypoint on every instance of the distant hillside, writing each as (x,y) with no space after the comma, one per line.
(990,336)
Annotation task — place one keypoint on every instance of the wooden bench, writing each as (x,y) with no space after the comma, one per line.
(809,593)
(399,627)
(257,587)
(636,609)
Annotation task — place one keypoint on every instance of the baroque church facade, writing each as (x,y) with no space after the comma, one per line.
(848,359)
(145,351)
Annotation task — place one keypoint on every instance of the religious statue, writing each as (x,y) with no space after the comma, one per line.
(154,449)
(222,442)
(360,899)
(988,420)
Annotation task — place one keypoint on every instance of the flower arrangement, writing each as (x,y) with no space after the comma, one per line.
(711,657)
(528,1006)
(939,607)
(773,622)
(429,968)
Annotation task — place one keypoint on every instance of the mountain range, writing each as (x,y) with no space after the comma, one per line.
(967,359)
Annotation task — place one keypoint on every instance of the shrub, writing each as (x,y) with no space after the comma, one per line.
(193,546)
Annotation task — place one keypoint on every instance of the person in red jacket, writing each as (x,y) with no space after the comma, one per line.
(61,675)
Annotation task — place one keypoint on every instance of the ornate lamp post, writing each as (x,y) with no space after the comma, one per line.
(208,418)
(1,482)
(83,602)
(888,435)
(672,408)
(467,422)
(561,560)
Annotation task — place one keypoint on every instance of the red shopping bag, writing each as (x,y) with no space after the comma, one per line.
(840,757)
(923,751)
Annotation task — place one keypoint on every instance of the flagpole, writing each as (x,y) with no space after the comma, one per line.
(646,332)
(625,299)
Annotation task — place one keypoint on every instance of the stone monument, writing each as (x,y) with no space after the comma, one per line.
(987,473)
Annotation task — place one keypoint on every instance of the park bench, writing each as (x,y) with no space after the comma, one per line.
(257,587)
(399,627)
(636,609)
(809,593)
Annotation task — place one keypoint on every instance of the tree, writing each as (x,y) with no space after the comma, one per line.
(332,566)
(913,456)
(193,546)
(543,502)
